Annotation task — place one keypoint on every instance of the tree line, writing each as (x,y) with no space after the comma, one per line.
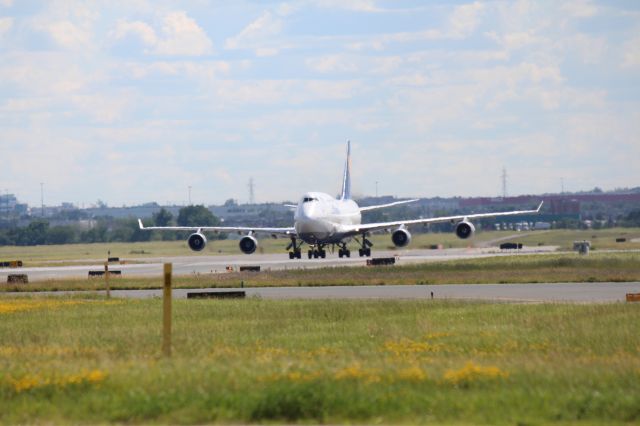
(108,229)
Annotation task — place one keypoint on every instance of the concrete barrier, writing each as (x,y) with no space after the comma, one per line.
(101,273)
(217,295)
(378,261)
(17,279)
(250,268)
(510,246)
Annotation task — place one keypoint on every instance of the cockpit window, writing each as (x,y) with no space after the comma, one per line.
(307,199)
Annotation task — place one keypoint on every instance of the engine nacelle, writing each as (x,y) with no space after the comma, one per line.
(465,229)
(401,237)
(248,244)
(197,241)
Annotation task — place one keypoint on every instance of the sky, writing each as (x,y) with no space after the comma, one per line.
(132,101)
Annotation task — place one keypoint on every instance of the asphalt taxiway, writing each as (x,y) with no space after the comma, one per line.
(605,292)
(188,265)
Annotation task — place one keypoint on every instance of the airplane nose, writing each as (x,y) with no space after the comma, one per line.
(308,210)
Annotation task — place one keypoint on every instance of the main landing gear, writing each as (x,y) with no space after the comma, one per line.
(317,252)
(365,249)
(344,251)
(295,252)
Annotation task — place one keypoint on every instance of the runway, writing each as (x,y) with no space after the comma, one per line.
(533,293)
(188,265)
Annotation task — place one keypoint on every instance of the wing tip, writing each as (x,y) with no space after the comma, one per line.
(140,223)
(540,206)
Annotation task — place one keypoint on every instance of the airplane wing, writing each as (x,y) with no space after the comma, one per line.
(367,227)
(240,229)
(381,206)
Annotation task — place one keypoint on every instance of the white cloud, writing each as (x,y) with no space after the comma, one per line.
(183,36)
(465,19)
(631,53)
(180,35)
(70,25)
(332,63)
(267,25)
(137,28)
(5,26)
(69,35)
(6,3)
(515,40)
(356,5)
(50,73)
(199,71)
(234,93)
(589,49)
(103,108)
(579,8)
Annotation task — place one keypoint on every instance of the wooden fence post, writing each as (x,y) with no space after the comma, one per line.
(166,303)
(106,279)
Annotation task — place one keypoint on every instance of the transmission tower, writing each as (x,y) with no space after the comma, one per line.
(504,183)
(252,199)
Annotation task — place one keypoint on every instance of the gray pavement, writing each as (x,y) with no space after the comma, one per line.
(187,265)
(539,292)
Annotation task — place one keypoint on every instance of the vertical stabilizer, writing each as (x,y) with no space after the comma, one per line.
(346,178)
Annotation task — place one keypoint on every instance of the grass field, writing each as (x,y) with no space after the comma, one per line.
(256,361)
(38,255)
(603,239)
(597,267)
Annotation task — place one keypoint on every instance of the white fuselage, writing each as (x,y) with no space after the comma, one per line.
(320,218)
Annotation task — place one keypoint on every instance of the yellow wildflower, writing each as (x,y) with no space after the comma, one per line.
(412,374)
(357,373)
(21,305)
(472,372)
(408,346)
(30,382)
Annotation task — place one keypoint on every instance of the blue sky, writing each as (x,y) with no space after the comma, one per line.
(135,101)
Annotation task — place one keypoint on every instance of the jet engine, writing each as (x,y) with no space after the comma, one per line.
(197,241)
(248,244)
(465,229)
(401,237)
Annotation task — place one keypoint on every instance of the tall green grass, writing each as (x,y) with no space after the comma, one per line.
(77,361)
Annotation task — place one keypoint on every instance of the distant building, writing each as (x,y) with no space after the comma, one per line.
(9,206)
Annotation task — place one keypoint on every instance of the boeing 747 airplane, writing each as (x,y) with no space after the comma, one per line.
(321,220)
